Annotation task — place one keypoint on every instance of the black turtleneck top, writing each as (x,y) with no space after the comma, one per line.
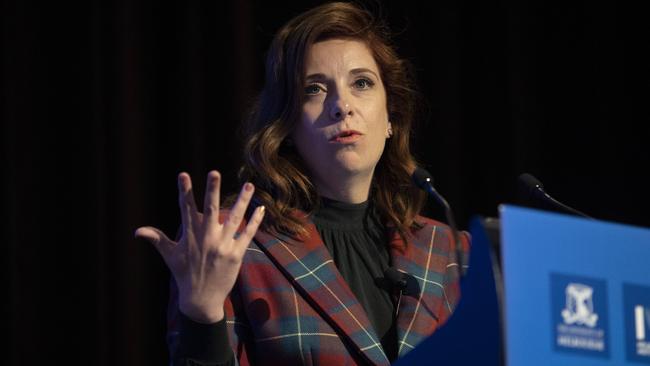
(356,239)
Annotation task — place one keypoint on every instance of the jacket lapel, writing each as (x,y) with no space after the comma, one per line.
(424,260)
(309,266)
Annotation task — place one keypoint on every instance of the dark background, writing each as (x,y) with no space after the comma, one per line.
(104,103)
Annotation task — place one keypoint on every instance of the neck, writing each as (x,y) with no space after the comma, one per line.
(351,188)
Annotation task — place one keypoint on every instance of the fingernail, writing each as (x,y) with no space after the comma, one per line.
(262,209)
(248,186)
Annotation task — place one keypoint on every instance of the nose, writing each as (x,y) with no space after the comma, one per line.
(340,110)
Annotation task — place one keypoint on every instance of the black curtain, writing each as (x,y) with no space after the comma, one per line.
(104,103)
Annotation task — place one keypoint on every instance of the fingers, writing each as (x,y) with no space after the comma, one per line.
(211,201)
(156,237)
(186,203)
(251,229)
(237,213)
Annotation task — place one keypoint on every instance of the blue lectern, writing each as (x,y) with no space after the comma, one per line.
(576,292)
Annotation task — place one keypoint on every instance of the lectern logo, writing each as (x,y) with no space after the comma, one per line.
(579,308)
(636,303)
(580,319)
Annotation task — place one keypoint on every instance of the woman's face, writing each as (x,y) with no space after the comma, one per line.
(344,123)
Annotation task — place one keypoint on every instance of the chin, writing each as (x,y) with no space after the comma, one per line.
(354,166)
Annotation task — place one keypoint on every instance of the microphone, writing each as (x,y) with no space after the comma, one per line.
(401,281)
(396,278)
(532,187)
(424,181)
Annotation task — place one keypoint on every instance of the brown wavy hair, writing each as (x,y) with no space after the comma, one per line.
(273,164)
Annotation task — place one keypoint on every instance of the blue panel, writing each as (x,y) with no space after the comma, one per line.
(565,281)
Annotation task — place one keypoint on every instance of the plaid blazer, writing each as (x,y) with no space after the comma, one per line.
(291,306)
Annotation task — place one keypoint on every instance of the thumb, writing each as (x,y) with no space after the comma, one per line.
(155,237)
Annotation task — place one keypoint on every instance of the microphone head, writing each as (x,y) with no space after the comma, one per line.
(422,178)
(530,182)
(530,188)
(395,277)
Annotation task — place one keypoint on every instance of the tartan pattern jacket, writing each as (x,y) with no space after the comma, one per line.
(291,306)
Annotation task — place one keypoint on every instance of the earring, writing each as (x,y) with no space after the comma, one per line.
(389,131)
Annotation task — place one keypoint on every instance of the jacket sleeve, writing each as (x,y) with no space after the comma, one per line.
(194,344)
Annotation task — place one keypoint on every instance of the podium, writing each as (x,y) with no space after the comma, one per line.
(575,292)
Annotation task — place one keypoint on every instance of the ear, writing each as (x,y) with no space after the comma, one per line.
(389,130)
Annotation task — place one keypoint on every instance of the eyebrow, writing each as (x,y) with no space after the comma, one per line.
(318,76)
(360,70)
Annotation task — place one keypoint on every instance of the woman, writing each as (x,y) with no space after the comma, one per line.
(294,272)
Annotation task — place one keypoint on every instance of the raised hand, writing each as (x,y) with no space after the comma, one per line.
(206,260)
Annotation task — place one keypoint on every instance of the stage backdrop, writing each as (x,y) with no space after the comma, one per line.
(104,103)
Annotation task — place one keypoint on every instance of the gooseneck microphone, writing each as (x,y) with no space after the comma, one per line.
(424,181)
(532,187)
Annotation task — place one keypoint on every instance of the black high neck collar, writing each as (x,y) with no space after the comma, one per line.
(341,213)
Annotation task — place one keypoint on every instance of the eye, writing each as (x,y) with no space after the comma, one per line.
(363,83)
(313,89)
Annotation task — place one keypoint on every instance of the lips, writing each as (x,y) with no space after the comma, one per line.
(347,136)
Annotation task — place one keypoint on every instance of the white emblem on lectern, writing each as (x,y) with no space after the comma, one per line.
(641,326)
(580,314)
(579,308)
